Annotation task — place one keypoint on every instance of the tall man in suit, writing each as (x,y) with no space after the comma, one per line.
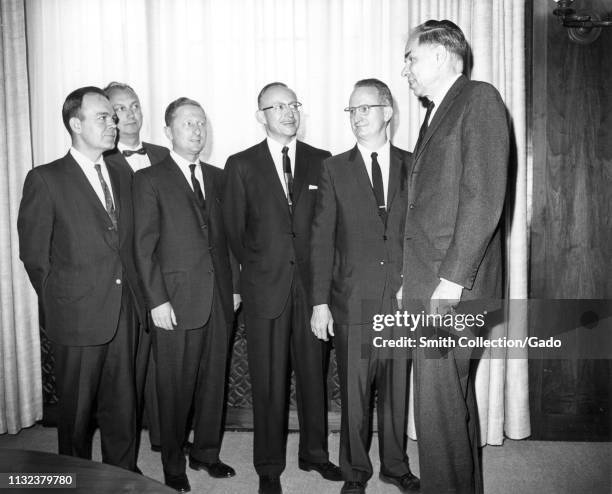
(452,249)
(271,189)
(183,261)
(357,236)
(134,154)
(75,238)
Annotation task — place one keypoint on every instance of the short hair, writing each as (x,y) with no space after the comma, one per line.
(176,104)
(384,93)
(118,86)
(72,106)
(444,33)
(269,86)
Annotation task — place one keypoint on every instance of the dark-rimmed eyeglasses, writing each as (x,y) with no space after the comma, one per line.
(361,109)
(283,107)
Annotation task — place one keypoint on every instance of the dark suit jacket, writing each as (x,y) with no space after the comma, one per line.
(456,196)
(77,263)
(181,254)
(267,240)
(154,152)
(354,256)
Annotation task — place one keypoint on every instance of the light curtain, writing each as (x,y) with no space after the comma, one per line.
(20,374)
(222,52)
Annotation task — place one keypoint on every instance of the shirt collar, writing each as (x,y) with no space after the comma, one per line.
(441,93)
(276,148)
(83,160)
(182,162)
(383,150)
(123,147)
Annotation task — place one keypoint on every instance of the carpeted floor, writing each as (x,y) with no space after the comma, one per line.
(517,467)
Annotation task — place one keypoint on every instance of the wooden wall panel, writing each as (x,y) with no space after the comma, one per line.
(571,241)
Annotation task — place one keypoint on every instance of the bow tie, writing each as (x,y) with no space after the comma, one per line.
(127,152)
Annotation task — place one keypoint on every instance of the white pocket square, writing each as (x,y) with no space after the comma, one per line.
(312,187)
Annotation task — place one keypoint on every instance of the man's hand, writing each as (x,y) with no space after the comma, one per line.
(446,296)
(237,301)
(163,316)
(322,322)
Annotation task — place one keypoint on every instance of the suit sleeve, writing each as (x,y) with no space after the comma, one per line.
(146,237)
(322,239)
(482,189)
(235,208)
(35,228)
(234,264)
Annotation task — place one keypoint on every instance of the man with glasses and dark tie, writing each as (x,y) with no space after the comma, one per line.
(184,263)
(271,190)
(75,240)
(134,154)
(356,258)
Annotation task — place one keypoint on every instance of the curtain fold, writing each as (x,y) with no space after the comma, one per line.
(222,52)
(20,369)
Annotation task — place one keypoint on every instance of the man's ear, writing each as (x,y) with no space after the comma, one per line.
(388,113)
(168,132)
(75,125)
(441,55)
(261,118)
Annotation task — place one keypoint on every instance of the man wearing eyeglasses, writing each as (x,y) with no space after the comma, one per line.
(134,154)
(270,195)
(357,237)
(75,240)
(184,263)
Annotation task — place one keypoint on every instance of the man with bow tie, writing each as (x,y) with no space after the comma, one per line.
(133,154)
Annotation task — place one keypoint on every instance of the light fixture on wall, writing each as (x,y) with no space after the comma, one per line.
(582,26)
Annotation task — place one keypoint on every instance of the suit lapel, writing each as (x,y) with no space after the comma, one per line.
(396,175)
(361,176)
(300,169)
(209,189)
(155,155)
(175,176)
(446,103)
(270,175)
(115,156)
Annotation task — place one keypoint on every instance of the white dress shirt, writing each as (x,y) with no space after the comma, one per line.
(183,164)
(136,161)
(276,150)
(383,160)
(90,172)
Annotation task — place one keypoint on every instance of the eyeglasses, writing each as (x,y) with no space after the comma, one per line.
(363,110)
(283,107)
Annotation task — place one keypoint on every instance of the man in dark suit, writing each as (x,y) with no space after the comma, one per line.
(75,237)
(183,261)
(270,193)
(134,154)
(356,271)
(452,249)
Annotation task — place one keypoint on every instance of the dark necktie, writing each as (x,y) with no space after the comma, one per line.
(196,187)
(108,199)
(128,152)
(377,186)
(430,107)
(288,177)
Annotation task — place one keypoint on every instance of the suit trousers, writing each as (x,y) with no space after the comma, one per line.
(362,366)
(446,421)
(271,344)
(96,384)
(191,370)
(148,414)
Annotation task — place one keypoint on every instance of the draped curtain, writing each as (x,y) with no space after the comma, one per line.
(20,375)
(221,52)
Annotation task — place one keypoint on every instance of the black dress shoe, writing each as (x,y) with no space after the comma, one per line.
(269,485)
(177,482)
(406,483)
(327,469)
(217,469)
(351,487)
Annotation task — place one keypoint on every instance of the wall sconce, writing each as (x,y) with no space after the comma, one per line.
(583,27)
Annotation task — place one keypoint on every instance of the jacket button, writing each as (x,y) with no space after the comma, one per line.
(118,281)
(293,234)
(411,206)
(382,262)
(385,238)
(292,262)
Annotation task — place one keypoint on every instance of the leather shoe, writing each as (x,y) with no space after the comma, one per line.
(352,487)
(327,469)
(406,483)
(269,485)
(177,482)
(217,469)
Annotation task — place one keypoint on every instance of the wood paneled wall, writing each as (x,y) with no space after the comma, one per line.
(571,233)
